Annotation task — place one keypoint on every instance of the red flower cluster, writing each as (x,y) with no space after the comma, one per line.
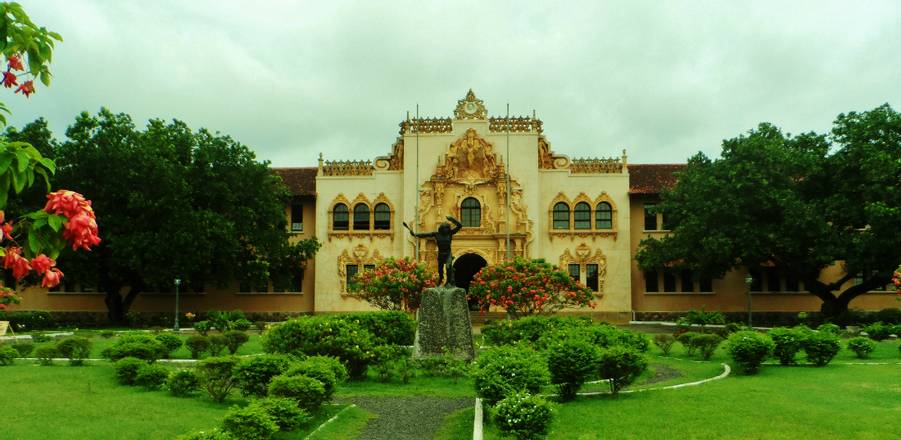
(896,279)
(14,62)
(81,227)
(393,284)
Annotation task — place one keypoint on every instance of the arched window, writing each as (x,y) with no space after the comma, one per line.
(561,216)
(471,211)
(340,217)
(382,216)
(361,217)
(582,216)
(603,216)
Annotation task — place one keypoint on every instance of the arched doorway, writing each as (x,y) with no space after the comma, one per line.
(465,267)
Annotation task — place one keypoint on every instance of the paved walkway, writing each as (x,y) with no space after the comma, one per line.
(406,418)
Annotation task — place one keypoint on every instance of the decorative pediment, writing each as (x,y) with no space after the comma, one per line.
(358,256)
(470,158)
(583,256)
(470,107)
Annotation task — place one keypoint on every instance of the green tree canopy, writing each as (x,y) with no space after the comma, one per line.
(802,203)
(175,203)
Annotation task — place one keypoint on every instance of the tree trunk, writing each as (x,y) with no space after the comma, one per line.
(114,307)
(835,306)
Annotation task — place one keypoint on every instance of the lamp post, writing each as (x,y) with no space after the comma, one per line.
(748,281)
(177,284)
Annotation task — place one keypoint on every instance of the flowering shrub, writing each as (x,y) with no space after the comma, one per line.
(326,336)
(394,284)
(504,370)
(571,362)
(896,280)
(787,342)
(749,349)
(524,416)
(525,287)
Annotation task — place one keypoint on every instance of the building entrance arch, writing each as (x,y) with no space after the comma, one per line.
(465,267)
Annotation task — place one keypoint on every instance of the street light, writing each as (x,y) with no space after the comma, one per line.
(177,283)
(748,281)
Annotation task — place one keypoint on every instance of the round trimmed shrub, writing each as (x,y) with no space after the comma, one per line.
(285,412)
(170,343)
(218,343)
(706,344)
(322,335)
(829,328)
(152,376)
(529,329)
(507,369)
(183,382)
(139,345)
(390,327)
(786,344)
(307,392)
(46,353)
(127,369)
(687,341)
(332,363)
(241,324)
(621,365)
(571,363)
(319,371)
(821,347)
(749,349)
(76,348)
(606,335)
(218,375)
(878,331)
(252,375)
(249,423)
(861,346)
(203,327)
(197,344)
(664,342)
(523,416)
(24,348)
(7,355)
(234,339)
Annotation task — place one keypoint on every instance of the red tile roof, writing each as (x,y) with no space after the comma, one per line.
(300,181)
(652,178)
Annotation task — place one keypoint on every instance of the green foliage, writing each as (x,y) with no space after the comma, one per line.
(388,327)
(529,329)
(702,318)
(394,284)
(878,331)
(687,341)
(28,320)
(308,393)
(706,344)
(861,346)
(241,324)
(46,353)
(890,315)
(749,349)
(183,382)
(446,365)
(507,369)
(621,365)
(664,342)
(7,355)
(24,348)
(392,361)
(821,347)
(805,201)
(234,339)
(786,344)
(218,343)
(152,376)
(197,344)
(332,363)
(249,423)
(224,321)
(139,345)
(571,362)
(212,434)
(285,412)
(127,370)
(319,335)
(829,328)
(253,374)
(170,341)
(317,369)
(523,415)
(527,287)
(203,327)
(217,374)
(76,348)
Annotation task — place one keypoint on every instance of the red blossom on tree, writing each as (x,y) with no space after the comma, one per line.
(393,284)
(81,227)
(9,79)
(42,263)
(14,62)
(52,278)
(27,88)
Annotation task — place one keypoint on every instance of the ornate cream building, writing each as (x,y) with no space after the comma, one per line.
(515,197)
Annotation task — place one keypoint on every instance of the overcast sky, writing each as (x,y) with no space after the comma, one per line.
(292,79)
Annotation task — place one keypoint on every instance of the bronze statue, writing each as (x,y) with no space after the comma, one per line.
(443,237)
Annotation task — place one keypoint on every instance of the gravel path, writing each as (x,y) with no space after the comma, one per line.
(406,418)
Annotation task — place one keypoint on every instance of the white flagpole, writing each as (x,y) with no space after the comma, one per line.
(508,182)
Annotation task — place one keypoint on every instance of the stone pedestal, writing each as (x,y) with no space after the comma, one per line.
(443,323)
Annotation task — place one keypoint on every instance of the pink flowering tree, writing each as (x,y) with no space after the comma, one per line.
(393,284)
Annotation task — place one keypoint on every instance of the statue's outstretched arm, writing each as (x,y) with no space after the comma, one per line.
(457,224)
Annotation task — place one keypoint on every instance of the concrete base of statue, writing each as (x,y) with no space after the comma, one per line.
(443,323)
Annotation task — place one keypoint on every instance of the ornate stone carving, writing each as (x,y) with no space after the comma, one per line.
(426,125)
(350,232)
(596,166)
(470,107)
(547,160)
(393,162)
(573,233)
(469,158)
(346,168)
(516,124)
(583,257)
(360,256)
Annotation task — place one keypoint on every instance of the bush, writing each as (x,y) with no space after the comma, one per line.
(702,318)
(821,347)
(127,370)
(249,423)
(224,321)
(621,366)
(141,346)
(786,344)
(46,354)
(202,327)
(170,343)
(7,355)
(234,339)
(285,412)
(605,335)
(319,371)
(446,365)
(528,287)
(332,363)
(571,363)
(706,344)
(106,334)
(152,376)
(890,315)
(507,369)
(393,284)
(529,329)
(253,374)
(878,331)
(523,415)
(387,327)
(197,344)
(183,382)
(392,360)
(749,349)
(76,348)
(29,320)
(687,341)
(829,328)
(664,342)
(861,346)
(217,375)
(218,343)
(318,335)
(213,434)
(307,392)
(241,324)
(24,348)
